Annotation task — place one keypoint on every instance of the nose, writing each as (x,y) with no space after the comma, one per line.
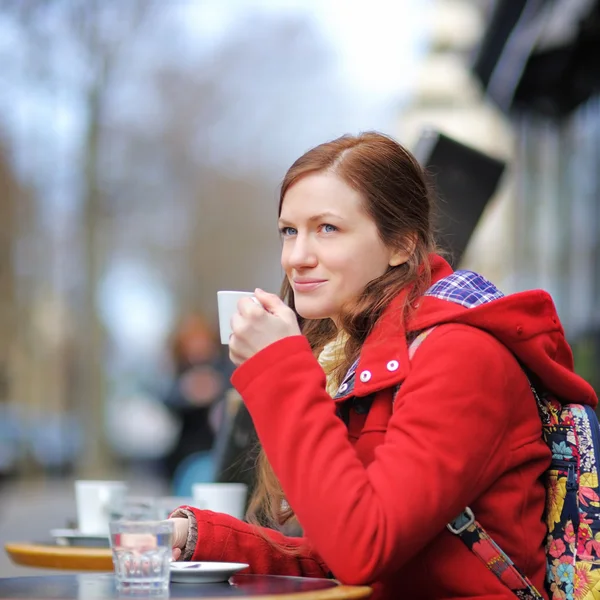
(302,253)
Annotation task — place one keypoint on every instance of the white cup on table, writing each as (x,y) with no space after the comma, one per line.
(94,500)
(228,498)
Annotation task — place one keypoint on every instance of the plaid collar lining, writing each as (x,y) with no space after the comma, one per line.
(466,288)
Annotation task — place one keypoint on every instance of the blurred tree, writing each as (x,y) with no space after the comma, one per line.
(196,160)
(9,191)
(74,46)
(174,167)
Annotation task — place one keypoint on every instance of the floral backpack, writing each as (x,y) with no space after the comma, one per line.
(572,511)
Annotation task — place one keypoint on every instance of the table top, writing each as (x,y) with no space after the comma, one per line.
(67,558)
(101,586)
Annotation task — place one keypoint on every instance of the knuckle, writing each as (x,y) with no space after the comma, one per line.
(242,328)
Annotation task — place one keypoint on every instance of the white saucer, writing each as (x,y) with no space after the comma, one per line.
(204,572)
(74,537)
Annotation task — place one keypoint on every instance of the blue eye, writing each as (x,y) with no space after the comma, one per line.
(287,231)
(327,228)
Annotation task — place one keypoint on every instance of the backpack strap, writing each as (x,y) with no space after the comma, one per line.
(475,537)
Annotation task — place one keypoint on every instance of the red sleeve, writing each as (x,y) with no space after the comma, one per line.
(223,538)
(442,448)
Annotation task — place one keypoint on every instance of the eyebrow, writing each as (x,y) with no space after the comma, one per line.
(319,217)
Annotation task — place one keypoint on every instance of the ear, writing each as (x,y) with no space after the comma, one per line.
(402,254)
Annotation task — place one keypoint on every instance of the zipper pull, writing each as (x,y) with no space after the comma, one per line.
(571,479)
(570,509)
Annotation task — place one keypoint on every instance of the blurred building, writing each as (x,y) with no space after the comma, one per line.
(538,61)
(447,98)
(521,79)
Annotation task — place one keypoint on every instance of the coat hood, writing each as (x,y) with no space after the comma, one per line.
(526,323)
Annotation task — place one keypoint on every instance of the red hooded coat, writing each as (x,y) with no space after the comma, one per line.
(374,489)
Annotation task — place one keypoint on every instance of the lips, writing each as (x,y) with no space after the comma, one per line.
(307,285)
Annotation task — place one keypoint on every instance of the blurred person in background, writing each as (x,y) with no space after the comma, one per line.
(199,384)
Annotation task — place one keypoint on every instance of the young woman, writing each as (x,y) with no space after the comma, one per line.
(373,445)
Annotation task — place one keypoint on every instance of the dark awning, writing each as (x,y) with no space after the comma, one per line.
(541,55)
(465,179)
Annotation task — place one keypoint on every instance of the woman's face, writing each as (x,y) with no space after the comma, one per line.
(331,247)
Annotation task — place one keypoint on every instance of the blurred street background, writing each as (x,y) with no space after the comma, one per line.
(142,143)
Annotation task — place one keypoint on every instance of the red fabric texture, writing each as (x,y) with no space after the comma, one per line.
(374,497)
(223,538)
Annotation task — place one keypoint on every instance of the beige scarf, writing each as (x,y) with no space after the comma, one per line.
(330,358)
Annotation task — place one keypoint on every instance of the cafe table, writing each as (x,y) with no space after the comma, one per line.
(101,586)
(66,558)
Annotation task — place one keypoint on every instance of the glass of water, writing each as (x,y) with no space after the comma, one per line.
(142,553)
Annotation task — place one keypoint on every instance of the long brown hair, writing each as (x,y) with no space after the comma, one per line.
(396,195)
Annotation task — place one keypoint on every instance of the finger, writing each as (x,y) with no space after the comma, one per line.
(271,302)
(176,553)
(237,323)
(235,352)
(138,541)
(250,306)
(235,357)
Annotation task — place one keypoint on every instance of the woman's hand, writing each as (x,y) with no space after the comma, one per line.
(256,327)
(180,536)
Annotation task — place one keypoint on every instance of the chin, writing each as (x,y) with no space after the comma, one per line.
(306,311)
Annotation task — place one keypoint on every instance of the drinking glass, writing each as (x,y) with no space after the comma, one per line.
(142,553)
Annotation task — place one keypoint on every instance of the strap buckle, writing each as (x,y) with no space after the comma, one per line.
(462,522)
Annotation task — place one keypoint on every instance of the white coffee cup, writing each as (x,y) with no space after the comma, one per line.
(228,498)
(227,303)
(94,500)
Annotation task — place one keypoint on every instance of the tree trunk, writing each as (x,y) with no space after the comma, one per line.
(94,461)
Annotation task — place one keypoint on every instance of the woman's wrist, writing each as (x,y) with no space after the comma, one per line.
(187,551)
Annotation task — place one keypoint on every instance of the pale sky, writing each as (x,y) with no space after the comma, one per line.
(376,46)
(377,40)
